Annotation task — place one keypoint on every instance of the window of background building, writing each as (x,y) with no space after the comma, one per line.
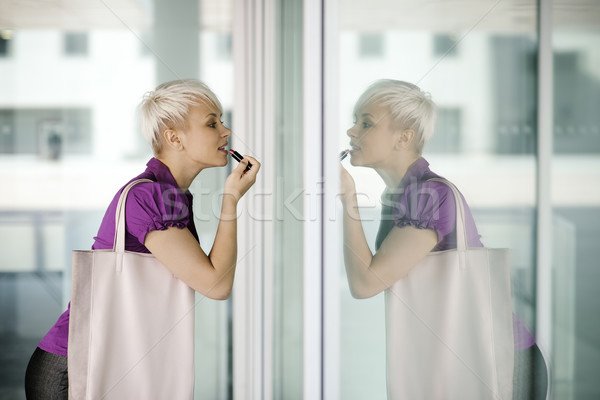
(7,131)
(514,68)
(444,45)
(576,116)
(224,46)
(145,44)
(446,136)
(45,132)
(76,44)
(5,41)
(370,45)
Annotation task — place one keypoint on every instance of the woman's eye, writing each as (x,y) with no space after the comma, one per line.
(366,125)
(212,125)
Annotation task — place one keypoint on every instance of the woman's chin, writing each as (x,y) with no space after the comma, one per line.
(223,160)
(355,162)
(216,164)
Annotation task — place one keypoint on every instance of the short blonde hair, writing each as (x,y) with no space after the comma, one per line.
(409,107)
(168,106)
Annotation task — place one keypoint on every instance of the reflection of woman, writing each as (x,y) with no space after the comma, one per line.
(393,121)
(182,121)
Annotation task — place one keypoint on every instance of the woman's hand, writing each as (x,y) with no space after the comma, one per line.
(240,180)
(212,274)
(347,186)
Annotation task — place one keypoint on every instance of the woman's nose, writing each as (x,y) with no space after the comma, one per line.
(227,132)
(350,132)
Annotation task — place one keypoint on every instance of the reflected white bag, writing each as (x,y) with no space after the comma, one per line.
(131,325)
(449,325)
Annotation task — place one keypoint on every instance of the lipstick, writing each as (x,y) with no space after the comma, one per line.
(344,154)
(238,157)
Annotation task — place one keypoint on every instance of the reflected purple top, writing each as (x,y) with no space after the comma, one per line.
(431,205)
(150,206)
(425,205)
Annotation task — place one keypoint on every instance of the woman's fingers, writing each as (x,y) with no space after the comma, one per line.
(347,185)
(241,179)
(255,164)
(243,164)
(346,180)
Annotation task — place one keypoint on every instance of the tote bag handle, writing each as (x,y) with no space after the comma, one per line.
(119,241)
(461,230)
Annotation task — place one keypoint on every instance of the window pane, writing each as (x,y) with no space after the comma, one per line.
(478,62)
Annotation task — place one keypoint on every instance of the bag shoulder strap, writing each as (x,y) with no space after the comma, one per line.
(461,230)
(119,241)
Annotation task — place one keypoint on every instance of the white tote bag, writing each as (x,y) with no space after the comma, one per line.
(131,325)
(449,325)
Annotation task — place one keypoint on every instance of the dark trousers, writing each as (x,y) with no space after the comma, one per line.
(531,375)
(46,377)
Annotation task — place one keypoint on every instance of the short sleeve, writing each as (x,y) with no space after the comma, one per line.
(426,205)
(153,206)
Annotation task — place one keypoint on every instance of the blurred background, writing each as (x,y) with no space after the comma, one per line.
(73,72)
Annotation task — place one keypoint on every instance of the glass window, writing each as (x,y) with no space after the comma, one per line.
(479,65)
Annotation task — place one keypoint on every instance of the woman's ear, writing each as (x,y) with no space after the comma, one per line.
(404,138)
(172,139)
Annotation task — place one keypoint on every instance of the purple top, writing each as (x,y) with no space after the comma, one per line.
(150,206)
(431,205)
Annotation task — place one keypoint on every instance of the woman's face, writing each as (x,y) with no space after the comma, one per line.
(205,137)
(372,138)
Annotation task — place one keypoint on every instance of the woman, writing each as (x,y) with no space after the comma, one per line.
(393,121)
(182,122)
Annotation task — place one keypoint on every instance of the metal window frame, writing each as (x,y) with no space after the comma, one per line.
(312,101)
(254,104)
(544,180)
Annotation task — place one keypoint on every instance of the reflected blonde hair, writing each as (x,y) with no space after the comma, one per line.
(409,107)
(168,106)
